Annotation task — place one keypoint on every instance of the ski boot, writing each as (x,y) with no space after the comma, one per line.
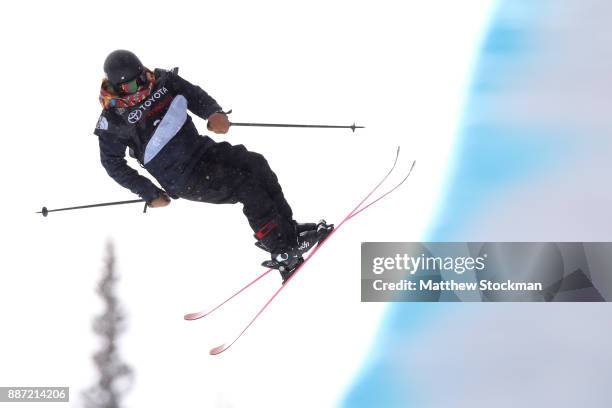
(299,228)
(290,258)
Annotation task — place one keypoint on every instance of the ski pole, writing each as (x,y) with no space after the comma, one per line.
(287,125)
(290,125)
(45,211)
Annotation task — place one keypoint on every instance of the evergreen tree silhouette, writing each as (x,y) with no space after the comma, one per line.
(114,376)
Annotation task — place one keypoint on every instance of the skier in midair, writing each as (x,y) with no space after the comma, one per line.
(146,112)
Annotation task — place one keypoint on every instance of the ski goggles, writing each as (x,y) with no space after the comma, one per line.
(133,85)
(129,87)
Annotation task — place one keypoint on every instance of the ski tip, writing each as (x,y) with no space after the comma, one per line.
(195,316)
(219,349)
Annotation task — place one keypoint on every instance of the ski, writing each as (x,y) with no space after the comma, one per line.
(206,312)
(355,211)
(203,313)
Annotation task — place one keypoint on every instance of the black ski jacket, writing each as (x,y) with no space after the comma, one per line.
(159,133)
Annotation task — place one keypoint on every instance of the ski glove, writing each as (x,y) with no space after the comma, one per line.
(161,201)
(218,123)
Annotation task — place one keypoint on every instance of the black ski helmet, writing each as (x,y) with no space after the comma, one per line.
(122,66)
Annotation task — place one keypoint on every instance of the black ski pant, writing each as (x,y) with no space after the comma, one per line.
(230,174)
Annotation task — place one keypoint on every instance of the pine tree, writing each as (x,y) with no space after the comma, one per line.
(115,377)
